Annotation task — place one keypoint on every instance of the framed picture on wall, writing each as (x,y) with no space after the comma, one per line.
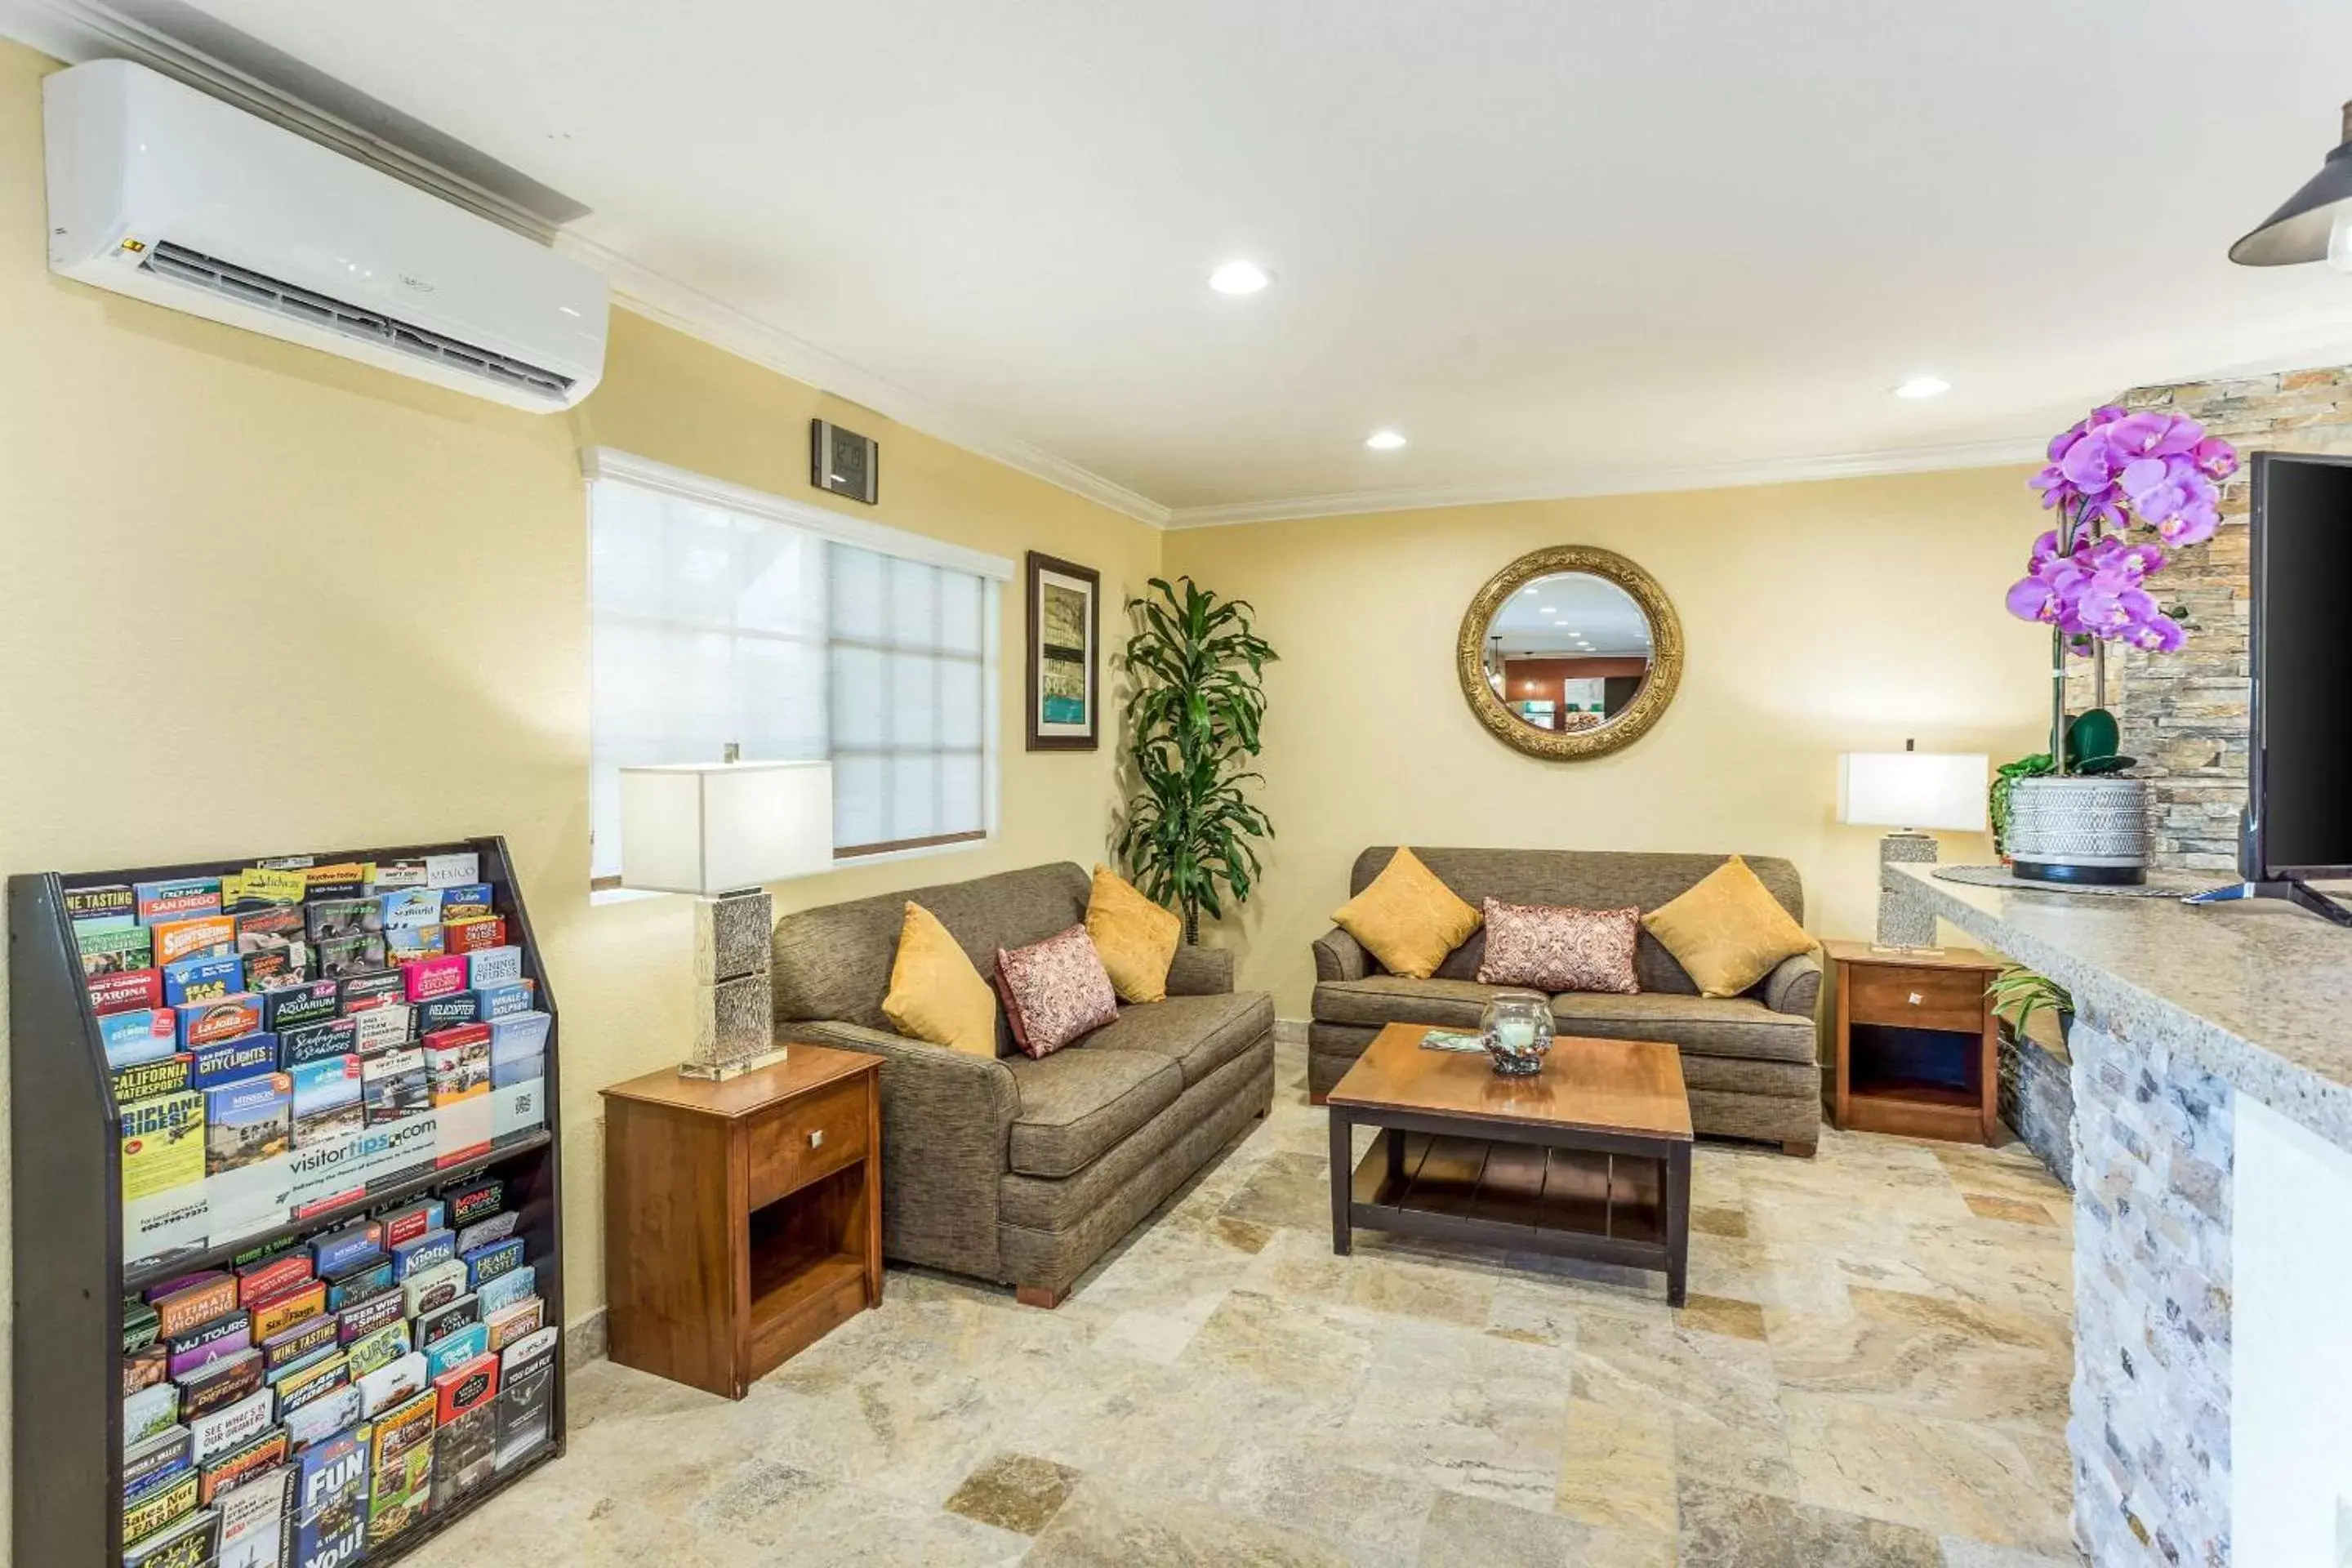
(1064,656)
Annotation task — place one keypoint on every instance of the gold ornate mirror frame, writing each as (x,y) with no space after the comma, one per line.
(1637,716)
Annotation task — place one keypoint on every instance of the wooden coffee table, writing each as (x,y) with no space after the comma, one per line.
(1589,1158)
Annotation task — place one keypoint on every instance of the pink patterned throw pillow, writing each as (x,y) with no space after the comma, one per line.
(1055,991)
(1553,948)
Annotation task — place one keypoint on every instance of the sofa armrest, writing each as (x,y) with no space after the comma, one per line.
(947,1132)
(1339,956)
(1795,984)
(1201,972)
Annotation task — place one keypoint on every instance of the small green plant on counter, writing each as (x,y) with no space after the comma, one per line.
(2005,777)
(2018,993)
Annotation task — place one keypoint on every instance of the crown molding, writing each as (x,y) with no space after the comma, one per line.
(1598,481)
(663,299)
(79,30)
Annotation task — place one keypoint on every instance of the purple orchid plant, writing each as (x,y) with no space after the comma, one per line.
(2115,471)
(2120,470)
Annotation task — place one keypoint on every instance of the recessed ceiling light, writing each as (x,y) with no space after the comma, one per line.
(1240,277)
(1924,386)
(1384,440)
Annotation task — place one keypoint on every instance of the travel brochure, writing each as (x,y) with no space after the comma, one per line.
(310,1064)
(285,1036)
(267,1426)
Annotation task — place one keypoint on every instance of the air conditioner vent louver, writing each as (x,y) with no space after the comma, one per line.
(354,322)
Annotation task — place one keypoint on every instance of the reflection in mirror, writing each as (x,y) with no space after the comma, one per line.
(1568,652)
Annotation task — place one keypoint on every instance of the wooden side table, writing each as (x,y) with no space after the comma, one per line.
(742,1220)
(1917,1047)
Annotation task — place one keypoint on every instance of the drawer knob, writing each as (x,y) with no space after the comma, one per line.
(816,1136)
(1914,998)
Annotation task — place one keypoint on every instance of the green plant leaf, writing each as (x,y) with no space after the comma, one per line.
(2018,993)
(2005,777)
(2094,766)
(2092,735)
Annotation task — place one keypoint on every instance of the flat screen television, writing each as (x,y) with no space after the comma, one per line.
(2298,825)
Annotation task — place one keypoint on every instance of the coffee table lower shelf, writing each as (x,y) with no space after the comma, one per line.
(1588,1204)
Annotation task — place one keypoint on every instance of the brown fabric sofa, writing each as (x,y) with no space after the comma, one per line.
(1749,1061)
(1016,1170)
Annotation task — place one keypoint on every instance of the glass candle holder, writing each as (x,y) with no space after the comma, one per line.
(1517,1027)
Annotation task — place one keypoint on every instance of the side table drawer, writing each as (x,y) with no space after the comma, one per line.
(808,1139)
(1916,998)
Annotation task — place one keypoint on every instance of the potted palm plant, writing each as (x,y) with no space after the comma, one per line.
(2118,471)
(1196,717)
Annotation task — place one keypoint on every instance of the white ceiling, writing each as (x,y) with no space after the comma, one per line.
(1565,246)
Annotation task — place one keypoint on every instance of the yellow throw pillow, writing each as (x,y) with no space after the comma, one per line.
(1726,930)
(1136,937)
(1407,919)
(936,994)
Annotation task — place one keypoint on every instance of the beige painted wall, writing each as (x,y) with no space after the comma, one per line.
(1825,618)
(177,500)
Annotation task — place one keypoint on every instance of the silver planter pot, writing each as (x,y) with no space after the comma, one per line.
(2093,830)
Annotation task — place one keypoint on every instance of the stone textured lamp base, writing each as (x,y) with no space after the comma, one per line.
(1904,923)
(731,933)
(734,1024)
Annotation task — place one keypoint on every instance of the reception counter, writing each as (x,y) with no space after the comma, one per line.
(2212,1171)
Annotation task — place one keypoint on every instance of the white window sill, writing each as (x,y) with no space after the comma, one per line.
(962,846)
(599,898)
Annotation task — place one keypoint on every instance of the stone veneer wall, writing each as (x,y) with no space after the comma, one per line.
(2184,715)
(2150,1428)
(2037,1100)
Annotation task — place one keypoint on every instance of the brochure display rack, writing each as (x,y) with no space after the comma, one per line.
(286,1208)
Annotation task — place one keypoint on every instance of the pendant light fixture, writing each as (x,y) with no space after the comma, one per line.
(2316,225)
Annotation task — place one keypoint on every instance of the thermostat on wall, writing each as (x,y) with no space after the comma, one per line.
(844,462)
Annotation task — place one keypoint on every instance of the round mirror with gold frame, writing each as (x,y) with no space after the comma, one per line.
(1569,652)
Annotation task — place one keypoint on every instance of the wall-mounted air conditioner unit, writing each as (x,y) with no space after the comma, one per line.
(160,193)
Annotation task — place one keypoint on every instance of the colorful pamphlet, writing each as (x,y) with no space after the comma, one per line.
(250,1119)
(163,1145)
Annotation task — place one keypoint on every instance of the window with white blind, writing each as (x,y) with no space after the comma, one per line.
(909,648)
(722,615)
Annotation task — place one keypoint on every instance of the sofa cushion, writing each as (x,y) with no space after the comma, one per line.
(1554,948)
(936,994)
(1069,1203)
(1074,1104)
(1727,932)
(1378,999)
(1736,1026)
(1199,1034)
(1137,939)
(1584,878)
(1408,918)
(835,961)
(1055,991)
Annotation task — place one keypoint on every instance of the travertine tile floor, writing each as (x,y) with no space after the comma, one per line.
(1872,1369)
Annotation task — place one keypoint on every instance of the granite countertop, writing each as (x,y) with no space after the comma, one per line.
(2257,993)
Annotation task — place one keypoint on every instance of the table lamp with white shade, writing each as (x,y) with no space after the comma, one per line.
(1910,790)
(718,831)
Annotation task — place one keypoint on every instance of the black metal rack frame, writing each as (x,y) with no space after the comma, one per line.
(67,1216)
